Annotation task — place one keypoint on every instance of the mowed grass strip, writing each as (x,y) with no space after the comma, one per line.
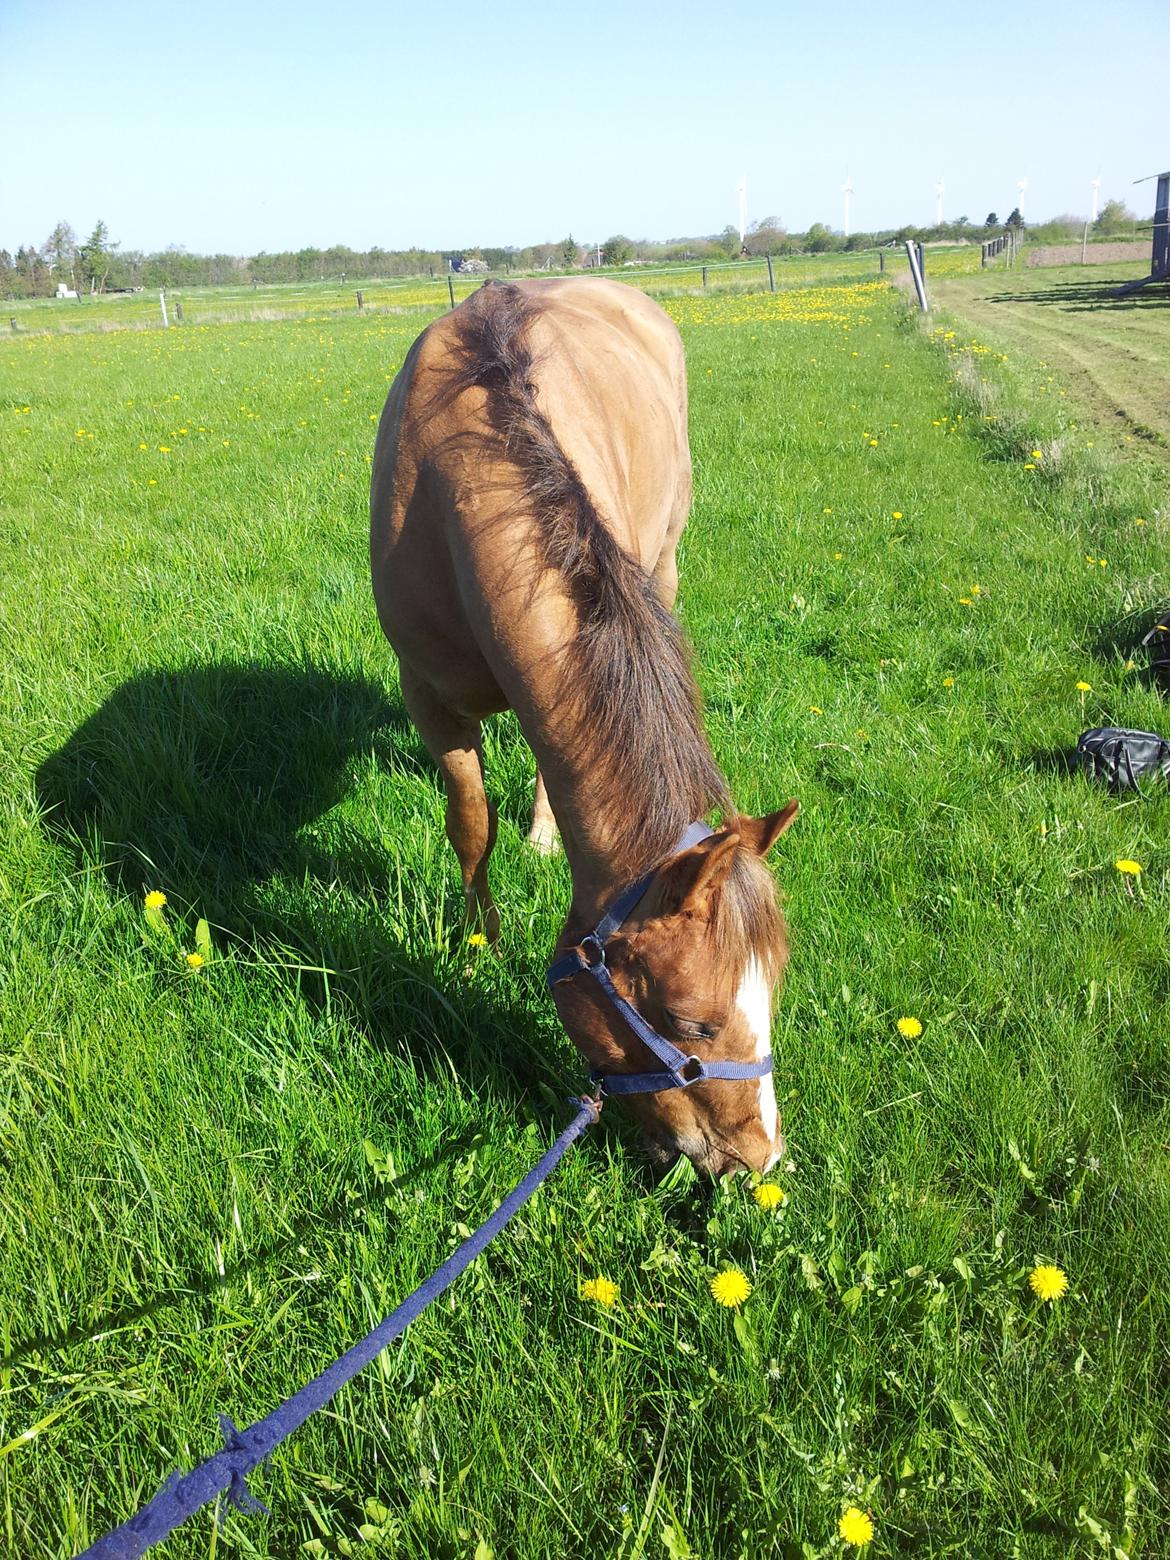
(1086,339)
(215,1178)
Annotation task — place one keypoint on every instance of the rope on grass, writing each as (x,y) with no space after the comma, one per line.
(185,1494)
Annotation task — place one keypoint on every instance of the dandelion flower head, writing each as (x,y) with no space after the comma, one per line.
(603,1290)
(731,1287)
(195,960)
(910,1028)
(856,1527)
(1048,1283)
(768,1196)
(155,900)
(1129,868)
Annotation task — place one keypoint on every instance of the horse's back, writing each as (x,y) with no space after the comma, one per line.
(460,575)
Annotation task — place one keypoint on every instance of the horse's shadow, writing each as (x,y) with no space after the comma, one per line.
(205,782)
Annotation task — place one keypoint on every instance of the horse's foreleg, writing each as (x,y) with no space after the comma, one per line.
(454,743)
(543,835)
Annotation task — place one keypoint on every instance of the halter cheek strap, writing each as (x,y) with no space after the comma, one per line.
(679,1070)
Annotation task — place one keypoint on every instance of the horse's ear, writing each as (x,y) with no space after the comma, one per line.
(689,880)
(760,834)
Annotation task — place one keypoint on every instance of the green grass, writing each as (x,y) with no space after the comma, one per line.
(194,697)
(1109,352)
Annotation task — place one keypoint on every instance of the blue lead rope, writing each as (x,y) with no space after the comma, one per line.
(185,1494)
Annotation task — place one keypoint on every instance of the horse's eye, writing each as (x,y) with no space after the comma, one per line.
(691,1028)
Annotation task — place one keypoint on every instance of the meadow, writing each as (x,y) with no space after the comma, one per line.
(910,583)
(425,295)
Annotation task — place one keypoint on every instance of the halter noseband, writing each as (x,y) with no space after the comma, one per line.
(588,957)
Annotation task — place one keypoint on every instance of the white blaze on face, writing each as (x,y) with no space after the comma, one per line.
(754,1001)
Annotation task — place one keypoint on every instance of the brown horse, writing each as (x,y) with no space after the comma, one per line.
(531,480)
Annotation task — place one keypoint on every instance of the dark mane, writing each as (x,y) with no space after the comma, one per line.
(628,671)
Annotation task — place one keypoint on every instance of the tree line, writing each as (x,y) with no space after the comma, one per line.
(98,264)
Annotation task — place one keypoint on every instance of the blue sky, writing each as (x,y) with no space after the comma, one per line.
(237,128)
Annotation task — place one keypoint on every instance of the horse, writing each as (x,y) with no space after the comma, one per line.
(530,483)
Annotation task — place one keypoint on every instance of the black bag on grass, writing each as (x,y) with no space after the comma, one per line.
(1157,641)
(1121,758)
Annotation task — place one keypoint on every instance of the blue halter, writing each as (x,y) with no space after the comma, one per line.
(588,957)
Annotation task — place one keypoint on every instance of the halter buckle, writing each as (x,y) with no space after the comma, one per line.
(592,951)
(692,1070)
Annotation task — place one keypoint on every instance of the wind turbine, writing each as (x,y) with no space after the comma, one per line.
(1022,186)
(938,190)
(847,191)
(1095,186)
(741,191)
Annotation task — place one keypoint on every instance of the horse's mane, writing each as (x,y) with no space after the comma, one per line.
(628,673)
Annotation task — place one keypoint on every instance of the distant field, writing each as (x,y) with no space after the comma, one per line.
(213,1179)
(1110,354)
(223,305)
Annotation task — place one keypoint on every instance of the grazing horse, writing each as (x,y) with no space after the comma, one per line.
(531,480)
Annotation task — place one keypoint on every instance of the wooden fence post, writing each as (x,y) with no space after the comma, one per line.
(881,262)
(178,311)
(451,289)
(12,321)
(771,278)
(162,303)
(359,300)
(704,276)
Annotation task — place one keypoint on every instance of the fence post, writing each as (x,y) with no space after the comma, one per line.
(881,262)
(359,300)
(178,311)
(771,278)
(921,261)
(451,289)
(12,321)
(915,272)
(162,303)
(1084,243)
(704,276)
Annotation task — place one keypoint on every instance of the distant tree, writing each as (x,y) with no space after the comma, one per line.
(819,239)
(95,256)
(766,237)
(857,241)
(729,240)
(1115,217)
(1016,219)
(617,250)
(992,220)
(569,248)
(59,252)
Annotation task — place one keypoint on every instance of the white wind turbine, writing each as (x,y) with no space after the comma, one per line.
(741,191)
(1095,186)
(847,191)
(1022,186)
(938,191)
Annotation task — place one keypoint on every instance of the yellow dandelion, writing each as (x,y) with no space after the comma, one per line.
(156,899)
(1029,465)
(477,940)
(977,590)
(1037,454)
(856,1527)
(143,446)
(827,511)
(965,601)
(873,444)
(164,449)
(731,1287)
(897,514)
(603,1290)
(1048,1283)
(815,709)
(910,1028)
(1138,521)
(195,961)
(1084,687)
(948,682)
(1129,868)
(838,556)
(768,1196)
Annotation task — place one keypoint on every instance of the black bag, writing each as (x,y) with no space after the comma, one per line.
(1122,758)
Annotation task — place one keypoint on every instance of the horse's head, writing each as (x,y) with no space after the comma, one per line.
(699,958)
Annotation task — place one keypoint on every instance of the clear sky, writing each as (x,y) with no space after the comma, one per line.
(234,126)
